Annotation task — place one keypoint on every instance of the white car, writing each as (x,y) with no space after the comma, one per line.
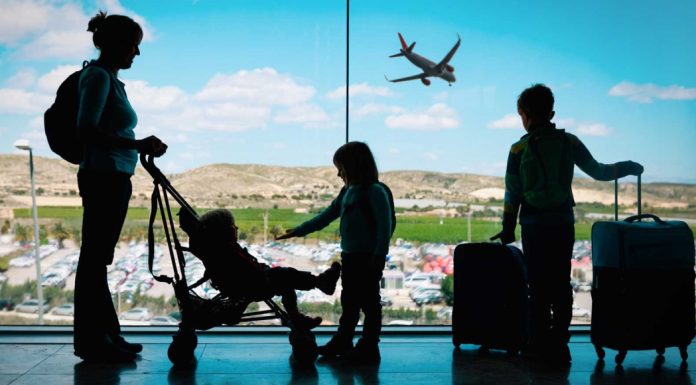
(136,314)
(31,306)
(416,280)
(64,309)
(579,312)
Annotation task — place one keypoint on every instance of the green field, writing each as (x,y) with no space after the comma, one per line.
(410,228)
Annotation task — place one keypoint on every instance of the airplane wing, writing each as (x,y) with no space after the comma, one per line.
(449,55)
(414,77)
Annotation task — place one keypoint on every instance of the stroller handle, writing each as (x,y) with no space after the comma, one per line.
(148,162)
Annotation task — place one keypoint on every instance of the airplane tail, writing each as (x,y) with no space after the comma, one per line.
(404,47)
(403,42)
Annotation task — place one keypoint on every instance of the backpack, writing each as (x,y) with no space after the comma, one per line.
(60,120)
(546,169)
(364,203)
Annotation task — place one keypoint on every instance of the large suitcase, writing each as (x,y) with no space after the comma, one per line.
(490,297)
(643,284)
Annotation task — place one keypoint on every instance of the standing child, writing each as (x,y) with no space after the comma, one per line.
(365,207)
(538,179)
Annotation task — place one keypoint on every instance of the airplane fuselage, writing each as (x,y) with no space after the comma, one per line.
(428,67)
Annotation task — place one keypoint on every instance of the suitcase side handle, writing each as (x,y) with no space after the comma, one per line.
(616,200)
(638,217)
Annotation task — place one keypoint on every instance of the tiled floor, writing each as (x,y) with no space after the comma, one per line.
(264,359)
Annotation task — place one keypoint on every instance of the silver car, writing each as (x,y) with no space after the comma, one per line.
(31,306)
(137,314)
(64,309)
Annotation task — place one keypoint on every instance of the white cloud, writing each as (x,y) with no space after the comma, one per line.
(20,18)
(394,151)
(15,101)
(264,86)
(40,29)
(374,109)
(439,116)
(429,156)
(593,129)
(22,79)
(507,121)
(646,93)
(146,98)
(358,90)
(303,113)
(50,81)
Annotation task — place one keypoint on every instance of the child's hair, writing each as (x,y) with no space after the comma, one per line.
(357,162)
(536,102)
(217,223)
(113,30)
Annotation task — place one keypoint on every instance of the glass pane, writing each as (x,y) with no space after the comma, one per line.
(242,92)
(443,147)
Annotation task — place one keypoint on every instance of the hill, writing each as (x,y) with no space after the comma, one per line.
(241,185)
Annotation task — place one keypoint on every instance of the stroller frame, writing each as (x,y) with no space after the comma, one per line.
(196,312)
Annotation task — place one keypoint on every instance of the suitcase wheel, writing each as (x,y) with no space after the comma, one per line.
(684,354)
(600,352)
(456,342)
(660,351)
(619,359)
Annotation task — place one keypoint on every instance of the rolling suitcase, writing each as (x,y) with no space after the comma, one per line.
(643,284)
(490,297)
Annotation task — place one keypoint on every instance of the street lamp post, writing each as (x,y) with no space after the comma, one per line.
(24,145)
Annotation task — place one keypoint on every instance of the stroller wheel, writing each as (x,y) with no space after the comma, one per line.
(181,349)
(304,346)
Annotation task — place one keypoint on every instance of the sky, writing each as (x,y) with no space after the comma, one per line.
(264,81)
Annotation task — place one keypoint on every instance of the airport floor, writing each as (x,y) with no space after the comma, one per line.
(263,358)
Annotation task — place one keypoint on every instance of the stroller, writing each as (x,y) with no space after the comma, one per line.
(198,313)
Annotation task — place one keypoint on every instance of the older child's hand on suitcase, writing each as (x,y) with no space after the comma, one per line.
(629,168)
(504,236)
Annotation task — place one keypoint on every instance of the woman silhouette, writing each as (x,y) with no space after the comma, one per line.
(105,125)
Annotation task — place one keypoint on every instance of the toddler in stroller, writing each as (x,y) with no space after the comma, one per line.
(235,272)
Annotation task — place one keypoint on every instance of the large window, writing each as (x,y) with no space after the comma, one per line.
(251,98)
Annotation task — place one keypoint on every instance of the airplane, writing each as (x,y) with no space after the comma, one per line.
(442,69)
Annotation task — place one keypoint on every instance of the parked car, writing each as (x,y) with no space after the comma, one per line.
(136,314)
(415,292)
(31,306)
(64,309)
(385,300)
(579,312)
(163,320)
(427,297)
(6,304)
(415,280)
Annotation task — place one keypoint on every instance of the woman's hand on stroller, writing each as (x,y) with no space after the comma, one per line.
(290,233)
(151,145)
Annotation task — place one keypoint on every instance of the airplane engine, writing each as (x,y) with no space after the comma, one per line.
(449,68)
(425,81)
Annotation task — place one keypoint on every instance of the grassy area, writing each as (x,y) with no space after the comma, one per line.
(250,221)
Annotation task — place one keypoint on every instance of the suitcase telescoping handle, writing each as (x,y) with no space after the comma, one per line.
(640,204)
